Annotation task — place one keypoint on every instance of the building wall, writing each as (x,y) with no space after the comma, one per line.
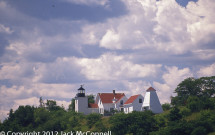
(136,105)
(151,102)
(155,105)
(128,108)
(118,104)
(100,105)
(81,105)
(146,100)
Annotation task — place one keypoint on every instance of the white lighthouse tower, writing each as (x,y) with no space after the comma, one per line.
(81,101)
(151,101)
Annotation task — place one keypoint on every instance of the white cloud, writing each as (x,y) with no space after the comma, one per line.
(174,75)
(171,79)
(207,71)
(56,90)
(110,40)
(201,24)
(113,67)
(63,103)
(137,87)
(89,2)
(32,101)
(5,29)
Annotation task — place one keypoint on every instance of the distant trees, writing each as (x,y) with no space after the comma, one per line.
(93,118)
(137,123)
(174,114)
(202,88)
(166,106)
(72,105)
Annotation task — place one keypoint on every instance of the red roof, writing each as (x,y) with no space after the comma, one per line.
(150,89)
(91,105)
(131,99)
(108,97)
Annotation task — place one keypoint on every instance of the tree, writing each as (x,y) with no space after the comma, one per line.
(194,103)
(93,118)
(174,114)
(199,131)
(91,99)
(137,123)
(41,115)
(51,105)
(41,102)
(166,106)
(201,87)
(72,105)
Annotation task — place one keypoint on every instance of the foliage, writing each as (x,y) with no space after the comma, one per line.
(201,87)
(184,111)
(93,118)
(194,103)
(72,105)
(51,105)
(174,114)
(136,123)
(91,98)
(166,106)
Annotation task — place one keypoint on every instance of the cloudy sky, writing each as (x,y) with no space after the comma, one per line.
(49,48)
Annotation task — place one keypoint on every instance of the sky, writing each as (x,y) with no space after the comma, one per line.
(49,48)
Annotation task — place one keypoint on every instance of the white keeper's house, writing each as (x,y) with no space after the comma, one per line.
(106,103)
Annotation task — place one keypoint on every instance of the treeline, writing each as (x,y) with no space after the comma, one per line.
(191,112)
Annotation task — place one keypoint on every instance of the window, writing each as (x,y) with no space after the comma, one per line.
(140,100)
(121,102)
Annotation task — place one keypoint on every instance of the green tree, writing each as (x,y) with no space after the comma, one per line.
(174,114)
(194,103)
(201,87)
(199,131)
(51,105)
(166,106)
(93,118)
(137,123)
(72,105)
(41,115)
(91,99)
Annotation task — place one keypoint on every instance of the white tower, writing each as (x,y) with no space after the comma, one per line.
(81,101)
(151,101)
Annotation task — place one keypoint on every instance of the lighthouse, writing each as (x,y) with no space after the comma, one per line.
(81,101)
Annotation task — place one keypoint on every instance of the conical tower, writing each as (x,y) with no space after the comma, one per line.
(151,101)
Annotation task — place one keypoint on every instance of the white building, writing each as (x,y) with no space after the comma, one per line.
(134,103)
(151,101)
(108,102)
